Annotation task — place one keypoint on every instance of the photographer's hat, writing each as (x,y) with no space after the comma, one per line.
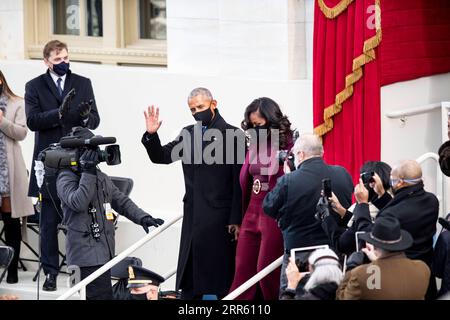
(140,277)
(386,234)
(444,158)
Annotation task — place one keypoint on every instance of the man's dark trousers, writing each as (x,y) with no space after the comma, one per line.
(50,218)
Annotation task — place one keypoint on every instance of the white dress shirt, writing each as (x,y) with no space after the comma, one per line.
(55,78)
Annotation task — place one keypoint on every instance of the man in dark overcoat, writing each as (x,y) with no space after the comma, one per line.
(51,119)
(212,202)
(416,209)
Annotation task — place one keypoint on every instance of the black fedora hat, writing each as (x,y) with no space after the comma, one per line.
(386,234)
(444,158)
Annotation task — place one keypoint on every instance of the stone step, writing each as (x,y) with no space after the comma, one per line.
(26,288)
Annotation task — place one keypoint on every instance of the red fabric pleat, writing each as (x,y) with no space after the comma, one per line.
(355,137)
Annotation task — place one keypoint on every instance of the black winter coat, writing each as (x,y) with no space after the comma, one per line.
(417,212)
(212,201)
(42,102)
(441,262)
(324,291)
(293,201)
(77,193)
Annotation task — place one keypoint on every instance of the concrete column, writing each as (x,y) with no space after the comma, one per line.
(11,29)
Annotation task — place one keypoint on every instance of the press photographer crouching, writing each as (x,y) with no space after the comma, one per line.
(320,283)
(87,199)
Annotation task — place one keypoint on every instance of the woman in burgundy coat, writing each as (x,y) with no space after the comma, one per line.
(260,241)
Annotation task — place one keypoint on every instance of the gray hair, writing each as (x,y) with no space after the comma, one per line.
(200,91)
(310,144)
(326,270)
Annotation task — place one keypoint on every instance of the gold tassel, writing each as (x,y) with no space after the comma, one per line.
(332,13)
(367,56)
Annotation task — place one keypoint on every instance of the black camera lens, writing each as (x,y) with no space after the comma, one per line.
(282,155)
(367,177)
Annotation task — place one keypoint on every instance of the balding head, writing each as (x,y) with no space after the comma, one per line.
(408,172)
(307,146)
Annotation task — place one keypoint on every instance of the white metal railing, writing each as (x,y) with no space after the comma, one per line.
(413,111)
(81,286)
(440,194)
(169,274)
(253,280)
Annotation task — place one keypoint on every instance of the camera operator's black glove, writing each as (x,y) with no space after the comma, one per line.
(89,161)
(65,105)
(84,108)
(149,221)
(356,259)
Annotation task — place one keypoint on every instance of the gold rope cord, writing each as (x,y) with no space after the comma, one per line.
(332,13)
(367,56)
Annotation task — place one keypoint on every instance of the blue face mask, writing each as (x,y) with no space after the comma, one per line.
(61,68)
(410,181)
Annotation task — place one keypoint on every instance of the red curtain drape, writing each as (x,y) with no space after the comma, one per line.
(416,39)
(347,75)
(346,81)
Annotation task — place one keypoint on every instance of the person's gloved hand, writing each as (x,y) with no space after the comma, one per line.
(84,108)
(65,105)
(149,221)
(89,161)
(356,259)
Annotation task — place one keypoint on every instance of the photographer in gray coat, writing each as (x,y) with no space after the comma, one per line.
(87,199)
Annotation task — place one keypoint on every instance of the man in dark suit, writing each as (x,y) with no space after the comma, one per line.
(52,110)
(212,203)
(293,200)
(416,209)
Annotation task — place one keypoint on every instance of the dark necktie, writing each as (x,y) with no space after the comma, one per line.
(60,89)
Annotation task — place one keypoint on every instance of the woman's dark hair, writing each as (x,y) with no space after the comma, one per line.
(6,90)
(271,112)
(382,169)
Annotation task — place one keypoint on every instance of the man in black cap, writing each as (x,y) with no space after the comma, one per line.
(390,275)
(143,283)
(87,199)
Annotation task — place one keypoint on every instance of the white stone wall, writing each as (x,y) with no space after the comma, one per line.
(11,29)
(264,39)
(122,93)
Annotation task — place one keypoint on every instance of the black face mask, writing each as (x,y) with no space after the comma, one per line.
(204,116)
(61,68)
(263,128)
(140,296)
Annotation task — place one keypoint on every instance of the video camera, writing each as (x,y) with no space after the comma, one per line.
(66,153)
(323,205)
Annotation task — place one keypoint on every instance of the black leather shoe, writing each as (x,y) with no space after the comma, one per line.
(50,283)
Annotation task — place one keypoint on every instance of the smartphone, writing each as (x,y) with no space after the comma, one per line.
(359,243)
(326,187)
(301,255)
